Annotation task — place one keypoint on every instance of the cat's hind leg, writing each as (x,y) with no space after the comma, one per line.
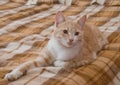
(43,60)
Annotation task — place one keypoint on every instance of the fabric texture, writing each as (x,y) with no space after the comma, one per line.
(25,30)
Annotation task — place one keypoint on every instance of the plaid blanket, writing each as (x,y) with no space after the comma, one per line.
(25,30)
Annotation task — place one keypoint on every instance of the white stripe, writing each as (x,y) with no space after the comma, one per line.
(17,47)
(101,2)
(31,2)
(89,11)
(116,80)
(86,11)
(97,9)
(11,46)
(22,49)
(108,29)
(15,24)
(3,1)
(16,10)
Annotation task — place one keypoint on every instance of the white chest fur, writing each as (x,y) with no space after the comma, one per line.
(62,53)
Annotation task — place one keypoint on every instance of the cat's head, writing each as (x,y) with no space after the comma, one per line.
(68,32)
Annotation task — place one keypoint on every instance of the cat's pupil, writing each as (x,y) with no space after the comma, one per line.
(76,33)
(65,31)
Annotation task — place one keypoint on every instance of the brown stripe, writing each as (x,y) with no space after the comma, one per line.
(18,1)
(103,13)
(112,46)
(47,60)
(22,14)
(100,71)
(97,77)
(41,72)
(66,80)
(116,38)
(31,79)
(35,64)
(105,75)
(57,78)
(10,5)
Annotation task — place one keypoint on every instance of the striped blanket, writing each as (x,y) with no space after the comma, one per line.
(25,30)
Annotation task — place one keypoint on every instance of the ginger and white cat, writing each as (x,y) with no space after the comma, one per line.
(72,44)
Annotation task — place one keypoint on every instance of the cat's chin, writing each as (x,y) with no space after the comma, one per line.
(68,45)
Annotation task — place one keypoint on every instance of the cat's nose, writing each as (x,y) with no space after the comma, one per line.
(71,40)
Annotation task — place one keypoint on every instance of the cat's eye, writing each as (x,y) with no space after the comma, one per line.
(76,33)
(65,31)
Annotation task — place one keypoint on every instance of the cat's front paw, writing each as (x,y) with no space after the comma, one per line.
(13,75)
(61,64)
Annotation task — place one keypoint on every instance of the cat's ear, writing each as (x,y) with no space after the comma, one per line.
(59,18)
(82,21)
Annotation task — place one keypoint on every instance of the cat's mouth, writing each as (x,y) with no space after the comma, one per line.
(70,44)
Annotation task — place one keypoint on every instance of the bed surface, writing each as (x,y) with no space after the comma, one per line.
(25,30)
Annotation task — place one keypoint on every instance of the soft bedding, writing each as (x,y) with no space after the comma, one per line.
(25,30)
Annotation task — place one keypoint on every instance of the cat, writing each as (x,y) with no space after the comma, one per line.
(72,44)
(65,2)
